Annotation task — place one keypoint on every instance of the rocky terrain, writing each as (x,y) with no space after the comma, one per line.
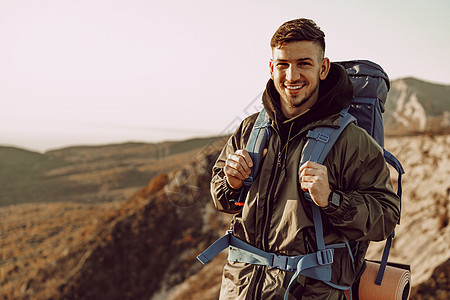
(129,249)
(145,247)
(414,106)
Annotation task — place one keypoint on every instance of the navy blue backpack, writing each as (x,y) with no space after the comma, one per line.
(371,85)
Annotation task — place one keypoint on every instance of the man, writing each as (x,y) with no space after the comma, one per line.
(305,91)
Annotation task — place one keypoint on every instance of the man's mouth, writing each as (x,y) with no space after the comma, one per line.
(294,87)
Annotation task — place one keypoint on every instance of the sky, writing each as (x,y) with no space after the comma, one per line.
(92,72)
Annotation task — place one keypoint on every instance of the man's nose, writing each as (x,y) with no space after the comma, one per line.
(292,74)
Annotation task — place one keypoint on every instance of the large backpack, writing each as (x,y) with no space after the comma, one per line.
(371,85)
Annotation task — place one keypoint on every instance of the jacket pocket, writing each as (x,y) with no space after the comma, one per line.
(344,269)
(235,280)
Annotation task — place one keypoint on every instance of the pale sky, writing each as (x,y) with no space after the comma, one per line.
(87,72)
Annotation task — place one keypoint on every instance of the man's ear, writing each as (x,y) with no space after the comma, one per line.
(271,68)
(324,68)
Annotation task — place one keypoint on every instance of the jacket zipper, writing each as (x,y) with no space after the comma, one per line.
(261,270)
(270,199)
(264,244)
(265,240)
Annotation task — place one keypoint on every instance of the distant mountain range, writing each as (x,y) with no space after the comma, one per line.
(89,174)
(415,106)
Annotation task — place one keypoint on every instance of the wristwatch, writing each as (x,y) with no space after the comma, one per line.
(334,200)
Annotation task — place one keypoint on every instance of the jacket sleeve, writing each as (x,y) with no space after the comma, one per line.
(221,192)
(369,208)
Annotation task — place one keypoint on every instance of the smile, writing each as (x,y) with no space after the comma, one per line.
(294,87)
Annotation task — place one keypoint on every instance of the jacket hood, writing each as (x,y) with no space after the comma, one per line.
(335,94)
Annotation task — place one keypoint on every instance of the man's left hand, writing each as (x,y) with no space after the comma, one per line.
(313,177)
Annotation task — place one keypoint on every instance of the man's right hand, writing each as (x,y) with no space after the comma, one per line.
(237,168)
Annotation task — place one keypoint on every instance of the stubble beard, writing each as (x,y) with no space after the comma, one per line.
(300,100)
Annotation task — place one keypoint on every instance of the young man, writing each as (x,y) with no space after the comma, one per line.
(305,91)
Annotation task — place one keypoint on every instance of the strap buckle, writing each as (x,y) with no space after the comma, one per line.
(318,136)
(325,257)
(323,138)
(280,262)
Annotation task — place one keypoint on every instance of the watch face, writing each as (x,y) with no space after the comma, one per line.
(336,199)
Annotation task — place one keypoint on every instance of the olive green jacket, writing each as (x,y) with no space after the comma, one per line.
(276,216)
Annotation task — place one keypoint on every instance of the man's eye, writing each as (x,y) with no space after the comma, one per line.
(282,65)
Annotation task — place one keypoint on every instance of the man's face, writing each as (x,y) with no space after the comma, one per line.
(296,69)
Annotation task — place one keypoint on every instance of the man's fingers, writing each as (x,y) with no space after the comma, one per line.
(312,169)
(230,171)
(309,178)
(243,157)
(305,186)
(234,167)
(248,160)
(239,163)
(234,182)
(313,177)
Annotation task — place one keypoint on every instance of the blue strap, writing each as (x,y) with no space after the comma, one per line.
(347,244)
(317,218)
(315,265)
(217,247)
(229,240)
(256,144)
(283,262)
(384,259)
(319,143)
(321,140)
(395,163)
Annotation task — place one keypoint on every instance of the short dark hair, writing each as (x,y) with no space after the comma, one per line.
(298,30)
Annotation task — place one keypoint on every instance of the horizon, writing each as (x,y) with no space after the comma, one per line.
(102,72)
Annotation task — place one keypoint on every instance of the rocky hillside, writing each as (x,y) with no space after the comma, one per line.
(423,236)
(128,250)
(145,247)
(415,106)
(89,174)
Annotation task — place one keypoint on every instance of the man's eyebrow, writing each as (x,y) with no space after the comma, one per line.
(300,59)
(282,60)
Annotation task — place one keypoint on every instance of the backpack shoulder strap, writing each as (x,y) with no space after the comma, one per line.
(319,143)
(257,142)
(321,139)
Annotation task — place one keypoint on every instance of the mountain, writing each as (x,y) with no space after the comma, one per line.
(121,250)
(415,106)
(88,174)
(145,247)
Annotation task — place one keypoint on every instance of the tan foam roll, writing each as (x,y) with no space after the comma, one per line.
(395,285)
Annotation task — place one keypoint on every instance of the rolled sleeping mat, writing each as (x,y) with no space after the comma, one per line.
(396,284)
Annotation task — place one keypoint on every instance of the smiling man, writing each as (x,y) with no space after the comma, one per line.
(296,77)
(352,188)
